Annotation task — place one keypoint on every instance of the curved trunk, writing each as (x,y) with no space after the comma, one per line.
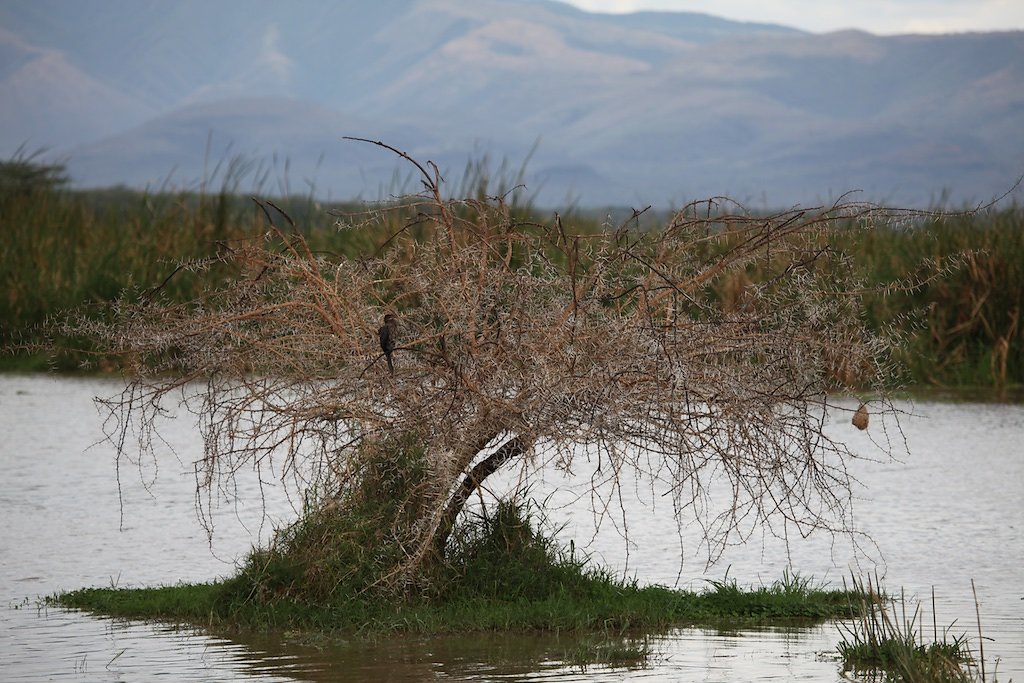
(510,449)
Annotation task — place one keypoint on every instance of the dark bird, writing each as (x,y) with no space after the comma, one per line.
(388,335)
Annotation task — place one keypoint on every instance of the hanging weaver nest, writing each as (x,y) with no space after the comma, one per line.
(860,418)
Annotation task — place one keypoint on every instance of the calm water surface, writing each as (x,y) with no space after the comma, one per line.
(950,512)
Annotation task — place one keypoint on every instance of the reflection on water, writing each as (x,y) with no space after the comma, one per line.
(690,654)
(950,513)
(63,645)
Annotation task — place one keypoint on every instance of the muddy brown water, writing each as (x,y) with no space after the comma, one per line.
(952,510)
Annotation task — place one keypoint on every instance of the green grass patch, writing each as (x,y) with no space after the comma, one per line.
(603,605)
(500,575)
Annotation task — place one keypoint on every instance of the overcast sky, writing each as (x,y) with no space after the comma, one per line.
(876,16)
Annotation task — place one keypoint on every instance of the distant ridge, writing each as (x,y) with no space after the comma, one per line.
(652,107)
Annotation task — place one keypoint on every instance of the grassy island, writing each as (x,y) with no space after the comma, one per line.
(502,575)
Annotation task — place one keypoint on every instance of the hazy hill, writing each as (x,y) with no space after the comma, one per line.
(649,107)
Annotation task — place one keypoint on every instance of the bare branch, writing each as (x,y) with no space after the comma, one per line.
(701,358)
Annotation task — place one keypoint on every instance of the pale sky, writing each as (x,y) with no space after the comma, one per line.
(882,17)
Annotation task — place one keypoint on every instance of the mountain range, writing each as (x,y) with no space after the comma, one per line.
(600,109)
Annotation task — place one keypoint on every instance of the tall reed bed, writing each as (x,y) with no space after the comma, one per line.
(958,296)
(63,250)
(964,327)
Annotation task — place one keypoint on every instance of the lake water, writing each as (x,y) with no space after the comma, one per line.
(950,512)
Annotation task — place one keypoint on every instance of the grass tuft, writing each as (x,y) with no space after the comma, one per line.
(884,643)
(611,652)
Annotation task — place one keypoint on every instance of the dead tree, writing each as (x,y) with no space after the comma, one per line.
(707,348)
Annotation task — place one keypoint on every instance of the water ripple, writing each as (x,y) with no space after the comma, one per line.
(949,514)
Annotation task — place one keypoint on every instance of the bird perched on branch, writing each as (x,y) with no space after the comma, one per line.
(388,336)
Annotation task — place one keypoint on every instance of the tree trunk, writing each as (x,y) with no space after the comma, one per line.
(510,449)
